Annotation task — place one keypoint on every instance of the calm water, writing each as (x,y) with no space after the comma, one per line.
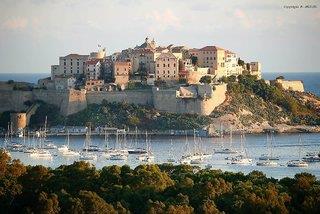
(287,147)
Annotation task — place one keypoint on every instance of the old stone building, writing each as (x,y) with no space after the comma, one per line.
(167,67)
(121,70)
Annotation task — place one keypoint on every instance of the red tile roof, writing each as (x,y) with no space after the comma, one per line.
(210,48)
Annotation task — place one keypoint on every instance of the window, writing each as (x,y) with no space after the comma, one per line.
(168,75)
(77,63)
(168,65)
(174,64)
(71,63)
(164,72)
(158,65)
(64,63)
(164,65)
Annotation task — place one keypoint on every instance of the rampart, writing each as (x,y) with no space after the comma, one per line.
(72,101)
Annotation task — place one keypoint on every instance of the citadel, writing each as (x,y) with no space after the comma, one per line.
(170,78)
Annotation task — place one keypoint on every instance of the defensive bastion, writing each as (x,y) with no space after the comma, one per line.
(198,99)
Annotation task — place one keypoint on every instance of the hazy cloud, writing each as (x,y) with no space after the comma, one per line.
(16,23)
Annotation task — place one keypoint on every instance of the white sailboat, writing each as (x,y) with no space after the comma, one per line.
(48,144)
(40,153)
(268,159)
(242,159)
(270,144)
(226,150)
(298,162)
(66,151)
(121,153)
(137,150)
(147,157)
(171,157)
(87,155)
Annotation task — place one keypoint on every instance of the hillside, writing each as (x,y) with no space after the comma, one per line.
(253,105)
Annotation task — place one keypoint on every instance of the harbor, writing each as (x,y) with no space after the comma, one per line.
(238,154)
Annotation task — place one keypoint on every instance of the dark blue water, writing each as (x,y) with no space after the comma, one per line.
(311,80)
(23,77)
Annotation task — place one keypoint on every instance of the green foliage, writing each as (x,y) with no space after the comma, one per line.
(129,115)
(51,111)
(4,119)
(206,79)
(194,60)
(266,102)
(80,188)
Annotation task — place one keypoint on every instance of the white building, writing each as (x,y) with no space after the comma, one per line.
(231,64)
(70,65)
(93,68)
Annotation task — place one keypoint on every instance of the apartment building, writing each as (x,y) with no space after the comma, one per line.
(167,67)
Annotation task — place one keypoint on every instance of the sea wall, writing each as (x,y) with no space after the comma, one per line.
(141,97)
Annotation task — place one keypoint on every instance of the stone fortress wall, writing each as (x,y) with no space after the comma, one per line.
(73,101)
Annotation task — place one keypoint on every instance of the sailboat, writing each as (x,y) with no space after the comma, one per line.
(225,150)
(121,153)
(270,146)
(171,158)
(137,150)
(65,149)
(242,159)
(298,162)
(87,155)
(268,159)
(147,157)
(13,146)
(40,153)
(4,149)
(48,144)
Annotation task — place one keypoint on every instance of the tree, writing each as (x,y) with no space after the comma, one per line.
(194,60)
(241,62)
(206,79)
(92,203)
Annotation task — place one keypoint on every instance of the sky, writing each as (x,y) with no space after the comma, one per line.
(34,33)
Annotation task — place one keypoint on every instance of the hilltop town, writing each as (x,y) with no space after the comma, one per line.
(171,79)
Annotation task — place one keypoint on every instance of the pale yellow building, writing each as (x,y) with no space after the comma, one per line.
(167,67)
(255,69)
(121,70)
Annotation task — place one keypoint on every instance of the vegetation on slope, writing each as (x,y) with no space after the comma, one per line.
(129,115)
(150,189)
(266,103)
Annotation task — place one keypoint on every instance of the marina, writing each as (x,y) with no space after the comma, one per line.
(288,157)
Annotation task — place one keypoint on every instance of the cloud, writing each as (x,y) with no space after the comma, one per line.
(161,21)
(17,23)
(244,18)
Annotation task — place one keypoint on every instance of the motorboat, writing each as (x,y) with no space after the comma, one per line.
(88,156)
(267,157)
(297,163)
(226,151)
(63,148)
(92,148)
(16,147)
(311,159)
(41,154)
(241,160)
(208,166)
(196,161)
(118,156)
(149,157)
(29,150)
(137,151)
(269,163)
(49,146)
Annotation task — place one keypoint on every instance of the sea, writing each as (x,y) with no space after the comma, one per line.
(311,80)
(285,146)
